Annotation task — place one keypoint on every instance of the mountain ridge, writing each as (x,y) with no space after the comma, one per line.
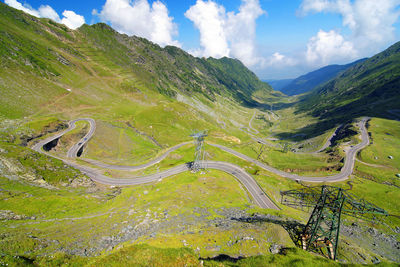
(61,57)
(360,90)
(310,80)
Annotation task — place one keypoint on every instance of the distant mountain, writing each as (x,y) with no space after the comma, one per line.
(368,88)
(312,79)
(278,84)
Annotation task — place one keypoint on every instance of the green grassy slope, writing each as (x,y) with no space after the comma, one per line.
(368,88)
(309,81)
(120,80)
(96,63)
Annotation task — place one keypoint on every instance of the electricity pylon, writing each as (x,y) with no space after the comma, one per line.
(199,153)
(321,233)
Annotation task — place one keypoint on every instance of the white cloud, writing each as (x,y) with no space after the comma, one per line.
(325,47)
(278,60)
(139,18)
(26,8)
(48,12)
(210,19)
(370,21)
(241,28)
(227,34)
(373,20)
(70,19)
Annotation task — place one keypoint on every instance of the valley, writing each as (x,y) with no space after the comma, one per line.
(96,154)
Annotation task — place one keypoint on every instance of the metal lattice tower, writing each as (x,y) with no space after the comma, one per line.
(321,233)
(199,153)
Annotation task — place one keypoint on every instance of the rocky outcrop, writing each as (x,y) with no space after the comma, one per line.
(9,215)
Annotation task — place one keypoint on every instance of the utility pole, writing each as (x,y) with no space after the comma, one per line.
(329,203)
(199,154)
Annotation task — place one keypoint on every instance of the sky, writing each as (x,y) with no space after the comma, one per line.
(277,39)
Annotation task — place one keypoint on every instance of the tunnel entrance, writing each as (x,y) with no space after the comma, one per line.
(80,151)
(50,145)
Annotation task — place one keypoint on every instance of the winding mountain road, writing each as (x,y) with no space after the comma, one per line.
(345,172)
(73,151)
(257,194)
(137,167)
(71,125)
(260,198)
(250,121)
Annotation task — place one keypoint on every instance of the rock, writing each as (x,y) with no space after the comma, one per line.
(40,181)
(375,260)
(390,157)
(398,175)
(82,181)
(373,231)
(275,248)
(9,215)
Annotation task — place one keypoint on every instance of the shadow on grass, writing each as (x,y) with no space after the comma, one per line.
(223,258)
(294,228)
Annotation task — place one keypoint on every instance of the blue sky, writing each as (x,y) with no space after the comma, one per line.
(274,38)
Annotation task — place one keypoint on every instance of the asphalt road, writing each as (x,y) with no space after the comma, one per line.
(73,151)
(260,198)
(71,125)
(250,121)
(345,172)
(254,190)
(137,167)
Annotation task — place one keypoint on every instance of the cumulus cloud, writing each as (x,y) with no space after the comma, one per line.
(227,33)
(70,19)
(139,18)
(26,8)
(279,60)
(370,21)
(241,28)
(210,19)
(326,46)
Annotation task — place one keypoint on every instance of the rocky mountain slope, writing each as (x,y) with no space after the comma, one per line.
(48,58)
